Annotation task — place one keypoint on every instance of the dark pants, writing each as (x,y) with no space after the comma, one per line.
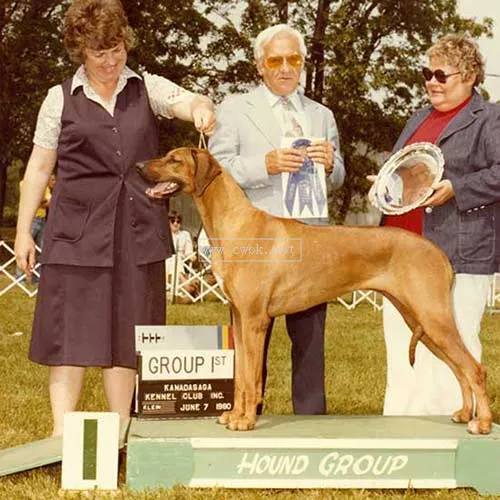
(306,330)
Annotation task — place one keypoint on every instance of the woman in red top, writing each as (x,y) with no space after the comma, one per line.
(459,218)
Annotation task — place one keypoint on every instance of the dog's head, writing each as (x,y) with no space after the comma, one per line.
(187,170)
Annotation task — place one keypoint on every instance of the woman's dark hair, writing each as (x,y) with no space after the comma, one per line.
(97,25)
(175,216)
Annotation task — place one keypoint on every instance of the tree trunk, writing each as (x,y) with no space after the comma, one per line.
(3,184)
(282,10)
(316,68)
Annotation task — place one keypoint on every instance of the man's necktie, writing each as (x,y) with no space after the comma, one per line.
(303,184)
(292,126)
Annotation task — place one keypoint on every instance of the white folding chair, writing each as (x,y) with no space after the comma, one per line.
(182,274)
(204,270)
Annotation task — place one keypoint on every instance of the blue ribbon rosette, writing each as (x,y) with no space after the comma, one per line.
(305,183)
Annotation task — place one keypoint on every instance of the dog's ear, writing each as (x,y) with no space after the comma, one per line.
(206,169)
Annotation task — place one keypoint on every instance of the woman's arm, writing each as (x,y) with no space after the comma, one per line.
(197,109)
(171,101)
(40,166)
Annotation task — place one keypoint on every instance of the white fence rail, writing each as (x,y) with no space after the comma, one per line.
(183,276)
(192,281)
(16,279)
(494,297)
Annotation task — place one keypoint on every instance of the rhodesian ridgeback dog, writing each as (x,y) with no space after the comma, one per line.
(269,266)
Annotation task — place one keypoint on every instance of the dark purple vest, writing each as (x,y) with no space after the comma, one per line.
(96,177)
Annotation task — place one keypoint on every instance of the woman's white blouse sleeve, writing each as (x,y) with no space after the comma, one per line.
(163,94)
(48,125)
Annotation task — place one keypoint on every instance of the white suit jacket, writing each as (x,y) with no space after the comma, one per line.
(247,129)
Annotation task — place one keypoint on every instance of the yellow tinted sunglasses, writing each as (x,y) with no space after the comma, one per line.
(274,62)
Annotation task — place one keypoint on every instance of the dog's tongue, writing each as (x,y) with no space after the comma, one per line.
(162,189)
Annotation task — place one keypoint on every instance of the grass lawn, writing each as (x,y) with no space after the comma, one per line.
(355,379)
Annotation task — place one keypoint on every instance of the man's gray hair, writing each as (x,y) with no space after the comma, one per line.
(264,37)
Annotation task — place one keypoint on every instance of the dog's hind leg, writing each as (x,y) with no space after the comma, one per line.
(475,375)
(413,325)
(419,334)
(443,335)
(465,414)
(435,315)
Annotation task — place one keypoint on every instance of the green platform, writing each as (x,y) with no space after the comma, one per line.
(314,452)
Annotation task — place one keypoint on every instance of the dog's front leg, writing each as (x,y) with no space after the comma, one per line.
(239,379)
(253,339)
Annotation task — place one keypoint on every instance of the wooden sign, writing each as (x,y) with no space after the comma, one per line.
(184,371)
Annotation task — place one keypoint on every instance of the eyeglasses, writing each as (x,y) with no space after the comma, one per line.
(274,62)
(175,221)
(439,74)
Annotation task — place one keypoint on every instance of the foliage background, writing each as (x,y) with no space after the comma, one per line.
(364,60)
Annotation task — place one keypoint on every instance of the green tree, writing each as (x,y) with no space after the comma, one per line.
(373,54)
(364,59)
(31,60)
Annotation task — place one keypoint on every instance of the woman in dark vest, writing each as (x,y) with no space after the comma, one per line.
(106,241)
(459,218)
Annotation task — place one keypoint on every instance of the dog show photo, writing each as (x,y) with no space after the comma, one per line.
(250,249)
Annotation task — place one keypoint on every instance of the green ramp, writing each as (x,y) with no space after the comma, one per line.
(39,453)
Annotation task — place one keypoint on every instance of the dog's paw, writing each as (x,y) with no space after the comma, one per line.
(224,418)
(476,426)
(241,424)
(462,416)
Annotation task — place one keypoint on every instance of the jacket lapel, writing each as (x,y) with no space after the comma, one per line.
(260,114)
(314,118)
(412,126)
(464,118)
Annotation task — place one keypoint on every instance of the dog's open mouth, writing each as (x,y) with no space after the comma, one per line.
(166,188)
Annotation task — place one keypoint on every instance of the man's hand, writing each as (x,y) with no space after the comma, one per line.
(443,191)
(322,152)
(284,160)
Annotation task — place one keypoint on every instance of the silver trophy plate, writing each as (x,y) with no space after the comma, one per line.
(407,178)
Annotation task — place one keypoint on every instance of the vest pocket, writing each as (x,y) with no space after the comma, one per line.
(70,217)
(476,237)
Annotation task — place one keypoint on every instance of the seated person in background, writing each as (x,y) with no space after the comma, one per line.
(184,253)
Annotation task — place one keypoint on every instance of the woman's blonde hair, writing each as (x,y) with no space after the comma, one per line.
(462,53)
(97,25)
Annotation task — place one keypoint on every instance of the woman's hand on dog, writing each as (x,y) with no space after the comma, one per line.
(204,119)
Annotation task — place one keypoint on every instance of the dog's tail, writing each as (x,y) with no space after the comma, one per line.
(418,333)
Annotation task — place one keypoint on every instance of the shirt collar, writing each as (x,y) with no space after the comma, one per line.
(294,98)
(80,79)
